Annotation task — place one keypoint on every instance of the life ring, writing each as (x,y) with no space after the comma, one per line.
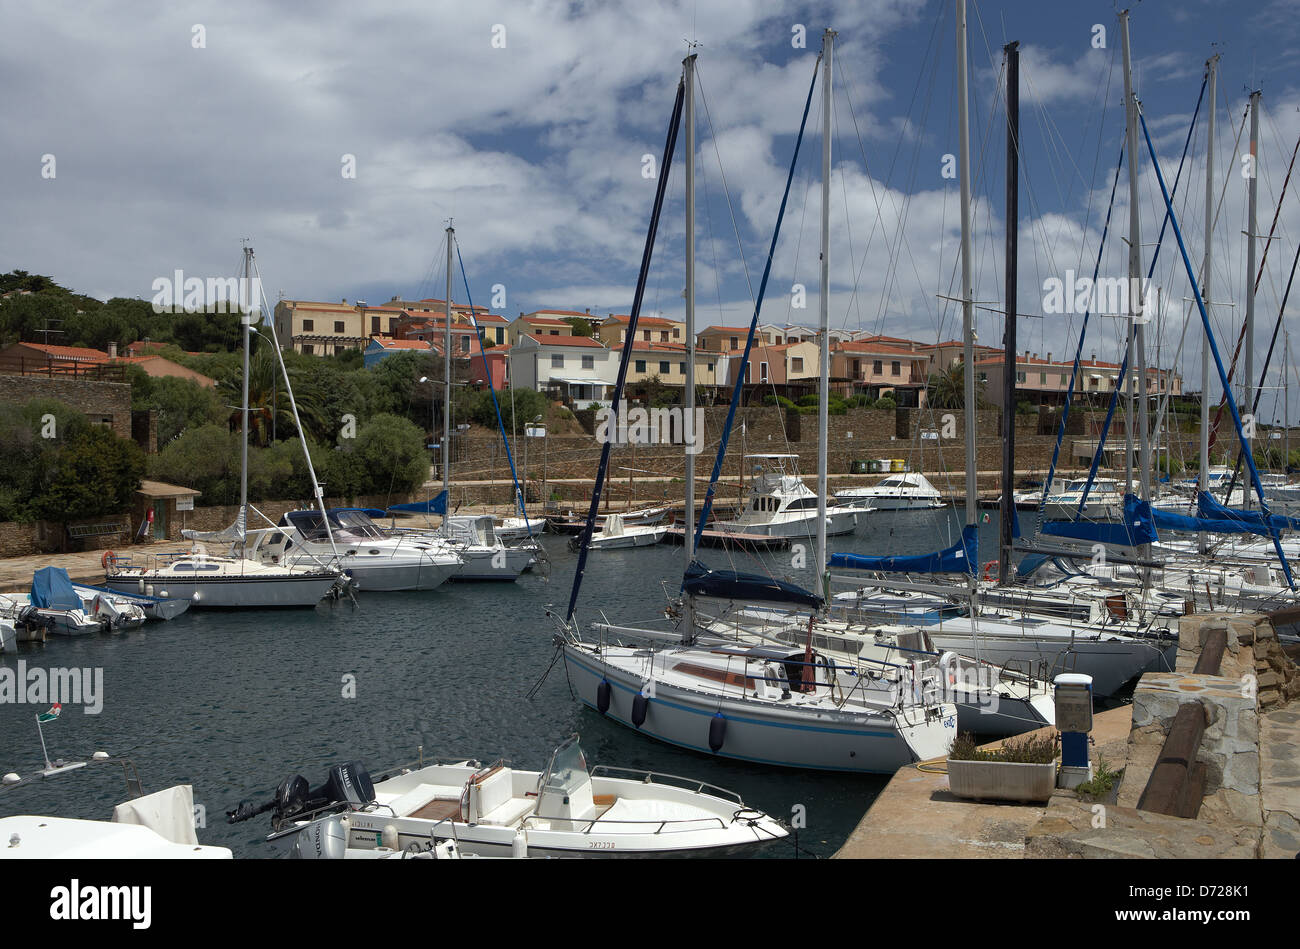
(108,559)
(990,570)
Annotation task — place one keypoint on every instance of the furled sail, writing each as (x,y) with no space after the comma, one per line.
(747,587)
(234,534)
(959,558)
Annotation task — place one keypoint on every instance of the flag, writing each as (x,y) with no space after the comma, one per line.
(51,715)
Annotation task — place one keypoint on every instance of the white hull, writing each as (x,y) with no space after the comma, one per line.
(765,733)
(492,563)
(796,524)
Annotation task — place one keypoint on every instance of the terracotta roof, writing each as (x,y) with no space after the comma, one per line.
(388,343)
(641,320)
(641,345)
(74,353)
(583,341)
(545,320)
(865,346)
(582,313)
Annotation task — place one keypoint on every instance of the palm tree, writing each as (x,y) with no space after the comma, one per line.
(946,389)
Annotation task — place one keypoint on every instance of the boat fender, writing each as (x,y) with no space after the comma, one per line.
(990,570)
(108,559)
(640,703)
(948,663)
(94,607)
(388,837)
(602,696)
(519,846)
(717,732)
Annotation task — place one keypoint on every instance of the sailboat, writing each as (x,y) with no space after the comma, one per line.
(775,704)
(236,579)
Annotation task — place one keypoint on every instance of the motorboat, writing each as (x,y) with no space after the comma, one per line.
(1105,500)
(573,524)
(614,534)
(54,603)
(781,505)
(567,810)
(910,491)
(378,560)
(156,608)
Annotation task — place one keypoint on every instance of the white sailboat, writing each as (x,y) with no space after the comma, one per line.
(781,705)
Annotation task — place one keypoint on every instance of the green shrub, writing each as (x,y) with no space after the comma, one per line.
(1027,749)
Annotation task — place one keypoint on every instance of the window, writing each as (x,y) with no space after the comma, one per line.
(681,367)
(645,335)
(857,369)
(984,377)
(338,326)
(306,349)
(663,336)
(663,367)
(877,366)
(1020,377)
(796,364)
(735,342)
(762,372)
(557,361)
(464,344)
(677,332)
(555,332)
(1042,378)
(588,362)
(895,368)
(308,326)
(640,365)
(374,326)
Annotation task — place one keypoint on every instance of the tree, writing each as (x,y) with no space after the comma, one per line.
(581,326)
(946,389)
(390,451)
(94,474)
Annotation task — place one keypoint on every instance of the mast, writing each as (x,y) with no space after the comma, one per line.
(246,318)
(1203,476)
(1252,193)
(446,383)
(1137,395)
(688,423)
(1008,509)
(967,291)
(824,307)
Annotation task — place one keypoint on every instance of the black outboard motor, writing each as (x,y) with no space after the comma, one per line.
(345,785)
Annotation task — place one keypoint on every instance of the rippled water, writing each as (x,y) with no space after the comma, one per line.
(234,702)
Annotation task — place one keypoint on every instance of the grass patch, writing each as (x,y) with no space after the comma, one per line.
(1104,779)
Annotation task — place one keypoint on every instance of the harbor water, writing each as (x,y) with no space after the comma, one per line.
(233,702)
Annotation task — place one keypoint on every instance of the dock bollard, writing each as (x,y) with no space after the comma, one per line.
(1074,721)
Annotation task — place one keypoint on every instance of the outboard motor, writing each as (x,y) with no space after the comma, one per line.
(345,785)
(325,839)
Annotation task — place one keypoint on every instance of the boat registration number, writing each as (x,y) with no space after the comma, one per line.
(600,845)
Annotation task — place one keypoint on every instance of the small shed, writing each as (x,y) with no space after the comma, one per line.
(169,504)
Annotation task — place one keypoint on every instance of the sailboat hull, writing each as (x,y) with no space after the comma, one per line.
(827,740)
(231,592)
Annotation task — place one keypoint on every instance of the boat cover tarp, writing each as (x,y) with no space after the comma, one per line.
(1137,528)
(435,505)
(750,587)
(1209,507)
(52,590)
(234,534)
(959,558)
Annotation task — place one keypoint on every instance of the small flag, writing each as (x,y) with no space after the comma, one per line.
(51,715)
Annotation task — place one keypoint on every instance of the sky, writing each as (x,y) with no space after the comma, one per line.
(340,139)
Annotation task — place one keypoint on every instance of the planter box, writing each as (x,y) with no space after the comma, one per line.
(1001,780)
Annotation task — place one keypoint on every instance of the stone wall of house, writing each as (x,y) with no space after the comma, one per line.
(85,395)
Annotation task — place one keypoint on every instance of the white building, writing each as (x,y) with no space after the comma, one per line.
(577,368)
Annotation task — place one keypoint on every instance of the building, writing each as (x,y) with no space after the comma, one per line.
(667,361)
(578,369)
(649,329)
(778,364)
(877,368)
(537,324)
(380,348)
(1044,381)
(321,329)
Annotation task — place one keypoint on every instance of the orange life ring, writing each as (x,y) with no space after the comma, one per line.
(989,569)
(108,559)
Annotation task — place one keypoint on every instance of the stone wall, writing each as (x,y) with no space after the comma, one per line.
(85,395)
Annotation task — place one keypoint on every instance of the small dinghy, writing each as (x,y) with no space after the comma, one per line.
(616,534)
(499,811)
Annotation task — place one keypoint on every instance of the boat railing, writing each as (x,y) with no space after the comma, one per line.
(671,780)
(591,822)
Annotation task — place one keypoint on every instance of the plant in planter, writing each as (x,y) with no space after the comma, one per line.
(1023,769)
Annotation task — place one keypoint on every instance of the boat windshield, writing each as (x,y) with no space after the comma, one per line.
(568,768)
(357,522)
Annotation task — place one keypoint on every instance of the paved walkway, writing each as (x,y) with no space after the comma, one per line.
(916,816)
(16,572)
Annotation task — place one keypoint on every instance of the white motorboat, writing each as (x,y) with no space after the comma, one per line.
(614,534)
(473,538)
(567,810)
(910,491)
(379,561)
(155,608)
(55,603)
(8,635)
(146,826)
(512,530)
(1105,501)
(781,505)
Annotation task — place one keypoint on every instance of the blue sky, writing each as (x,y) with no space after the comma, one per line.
(169,152)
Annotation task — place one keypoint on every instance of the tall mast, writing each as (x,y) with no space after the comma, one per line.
(688,423)
(1252,192)
(1137,395)
(446,380)
(1203,475)
(967,291)
(1008,508)
(824,306)
(246,319)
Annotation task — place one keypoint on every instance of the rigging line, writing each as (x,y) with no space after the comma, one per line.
(726,191)
(749,339)
(661,187)
(1218,415)
(1218,361)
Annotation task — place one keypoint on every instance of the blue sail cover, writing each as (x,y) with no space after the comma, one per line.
(1211,508)
(435,505)
(52,590)
(960,558)
(1137,528)
(750,587)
